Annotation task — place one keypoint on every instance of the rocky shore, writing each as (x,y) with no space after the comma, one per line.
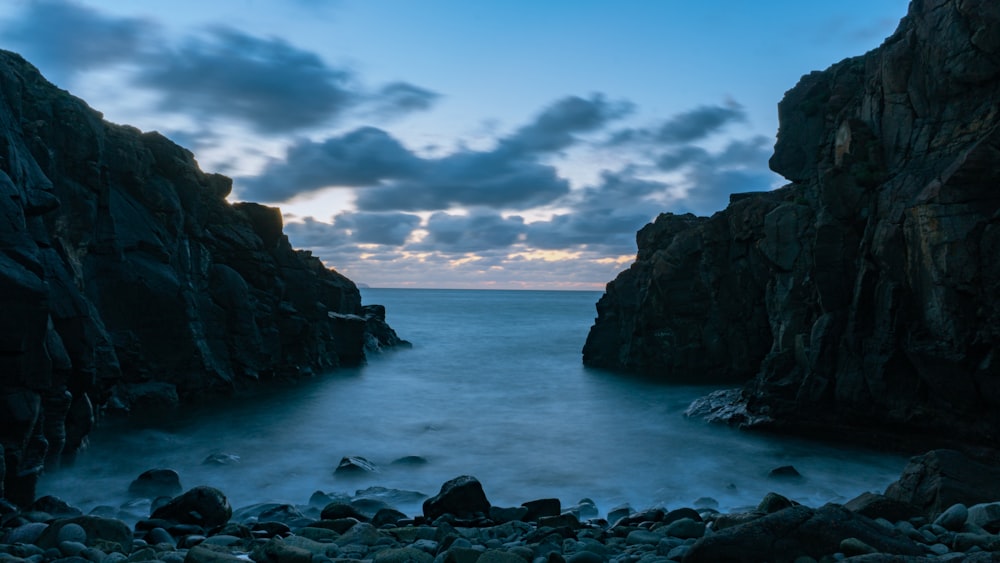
(941,509)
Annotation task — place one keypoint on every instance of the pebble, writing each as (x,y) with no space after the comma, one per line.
(655,535)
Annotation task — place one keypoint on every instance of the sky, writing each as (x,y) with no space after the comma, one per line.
(515,144)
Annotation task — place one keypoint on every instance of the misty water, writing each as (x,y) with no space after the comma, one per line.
(493,387)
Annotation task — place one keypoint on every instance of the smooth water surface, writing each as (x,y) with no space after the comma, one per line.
(493,387)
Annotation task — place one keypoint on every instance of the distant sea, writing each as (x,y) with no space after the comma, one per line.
(493,387)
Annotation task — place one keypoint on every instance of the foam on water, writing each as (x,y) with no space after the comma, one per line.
(494,387)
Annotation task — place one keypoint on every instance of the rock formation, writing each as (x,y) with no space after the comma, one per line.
(864,296)
(126,279)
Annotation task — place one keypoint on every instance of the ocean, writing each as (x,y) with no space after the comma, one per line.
(493,387)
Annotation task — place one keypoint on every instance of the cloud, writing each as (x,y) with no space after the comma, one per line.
(267,83)
(557,126)
(476,232)
(511,174)
(389,229)
(687,127)
(398,98)
(362,157)
(65,38)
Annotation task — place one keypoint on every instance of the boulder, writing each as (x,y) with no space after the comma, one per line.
(201,506)
(876,506)
(941,478)
(794,532)
(156,483)
(462,496)
(106,534)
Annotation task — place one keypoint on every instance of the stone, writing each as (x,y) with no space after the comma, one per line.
(986,516)
(542,507)
(403,555)
(339,510)
(953,518)
(387,516)
(156,483)
(55,506)
(354,465)
(784,472)
(410,461)
(276,550)
(797,531)
(211,554)
(643,537)
(685,528)
(462,496)
(361,533)
(72,533)
(508,514)
(941,478)
(498,556)
(875,506)
(773,502)
(26,533)
(104,533)
(201,506)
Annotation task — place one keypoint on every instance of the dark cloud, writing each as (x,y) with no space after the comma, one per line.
(469,178)
(510,175)
(64,38)
(687,127)
(390,229)
(398,98)
(557,126)
(476,232)
(268,83)
(363,157)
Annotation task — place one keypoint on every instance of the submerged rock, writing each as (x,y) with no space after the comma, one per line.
(156,483)
(462,496)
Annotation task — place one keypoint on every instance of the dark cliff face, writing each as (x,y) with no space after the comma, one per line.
(866,293)
(127,280)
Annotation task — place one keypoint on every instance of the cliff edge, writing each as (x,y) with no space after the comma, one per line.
(863,298)
(128,281)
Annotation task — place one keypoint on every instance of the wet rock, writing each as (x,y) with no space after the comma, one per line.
(508,514)
(542,507)
(211,554)
(55,506)
(462,496)
(387,516)
(685,528)
(410,461)
(941,478)
(340,510)
(953,518)
(773,502)
(26,533)
(784,472)
(875,506)
(201,506)
(156,483)
(796,531)
(985,516)
(103,533)
(354,465)
(403,555)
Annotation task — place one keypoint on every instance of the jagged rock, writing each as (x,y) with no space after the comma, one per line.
(462,496)
(354,465)
(863,298)
(103,227)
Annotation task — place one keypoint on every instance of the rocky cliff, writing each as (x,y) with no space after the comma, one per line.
(128,281)
(863,297)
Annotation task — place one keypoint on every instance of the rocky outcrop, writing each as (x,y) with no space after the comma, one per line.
(127,279)
(864,297)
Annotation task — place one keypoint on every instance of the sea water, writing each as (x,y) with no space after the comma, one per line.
(493,387)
